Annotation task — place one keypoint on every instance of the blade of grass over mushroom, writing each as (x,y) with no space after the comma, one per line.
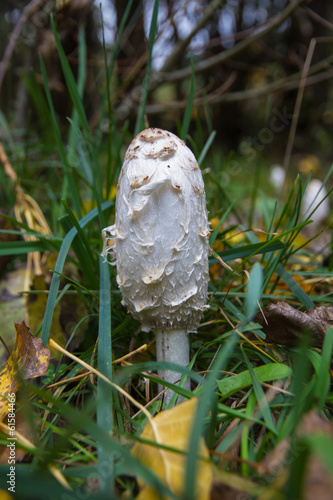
(54,287)
(189,105)
(104,393)
(140,121)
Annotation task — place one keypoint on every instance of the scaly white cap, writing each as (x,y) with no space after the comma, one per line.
(161,233)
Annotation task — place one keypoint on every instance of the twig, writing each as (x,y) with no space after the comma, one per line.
(299,99)
(96,372)
(282,85)
(318,18)
(182,44)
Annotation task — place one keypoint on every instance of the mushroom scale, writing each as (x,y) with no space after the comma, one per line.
(161,230)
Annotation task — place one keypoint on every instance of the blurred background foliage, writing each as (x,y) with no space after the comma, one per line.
(236,91)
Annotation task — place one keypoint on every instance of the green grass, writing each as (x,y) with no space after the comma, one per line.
(86,428)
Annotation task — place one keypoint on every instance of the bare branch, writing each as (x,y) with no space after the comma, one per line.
(182,44)
(299,98)
(284,84)
(319,19)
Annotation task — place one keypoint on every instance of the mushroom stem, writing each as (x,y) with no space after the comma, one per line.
(172,346)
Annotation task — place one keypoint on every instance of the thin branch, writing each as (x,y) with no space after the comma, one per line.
(316,17)
(182,44)
(298,103)
(299,98)
(282,85)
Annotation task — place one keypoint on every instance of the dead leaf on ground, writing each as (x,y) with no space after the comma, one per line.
(4,495)
(274,461)
(29,359)
(173,428)
(286,325)
(12,305)
(318,481)
(24,428)
(36,305)
(222,491)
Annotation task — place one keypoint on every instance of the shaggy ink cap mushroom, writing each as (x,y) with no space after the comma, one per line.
(160,236)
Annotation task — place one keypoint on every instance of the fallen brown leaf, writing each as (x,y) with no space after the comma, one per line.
(318,480)
(29,359)
(225,492)
(23,427)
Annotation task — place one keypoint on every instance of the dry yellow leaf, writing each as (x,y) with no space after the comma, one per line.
(29,356)
(4,495)
(173,428)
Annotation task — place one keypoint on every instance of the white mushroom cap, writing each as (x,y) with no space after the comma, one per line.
(314,196)
(161,233)
(277,177)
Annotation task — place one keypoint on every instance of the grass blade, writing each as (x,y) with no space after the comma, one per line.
(104,393)
(206,147)
(260,395)
(294,287)
(205,403)
(189,106)
(264,373)
(54,287)
(253,292)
